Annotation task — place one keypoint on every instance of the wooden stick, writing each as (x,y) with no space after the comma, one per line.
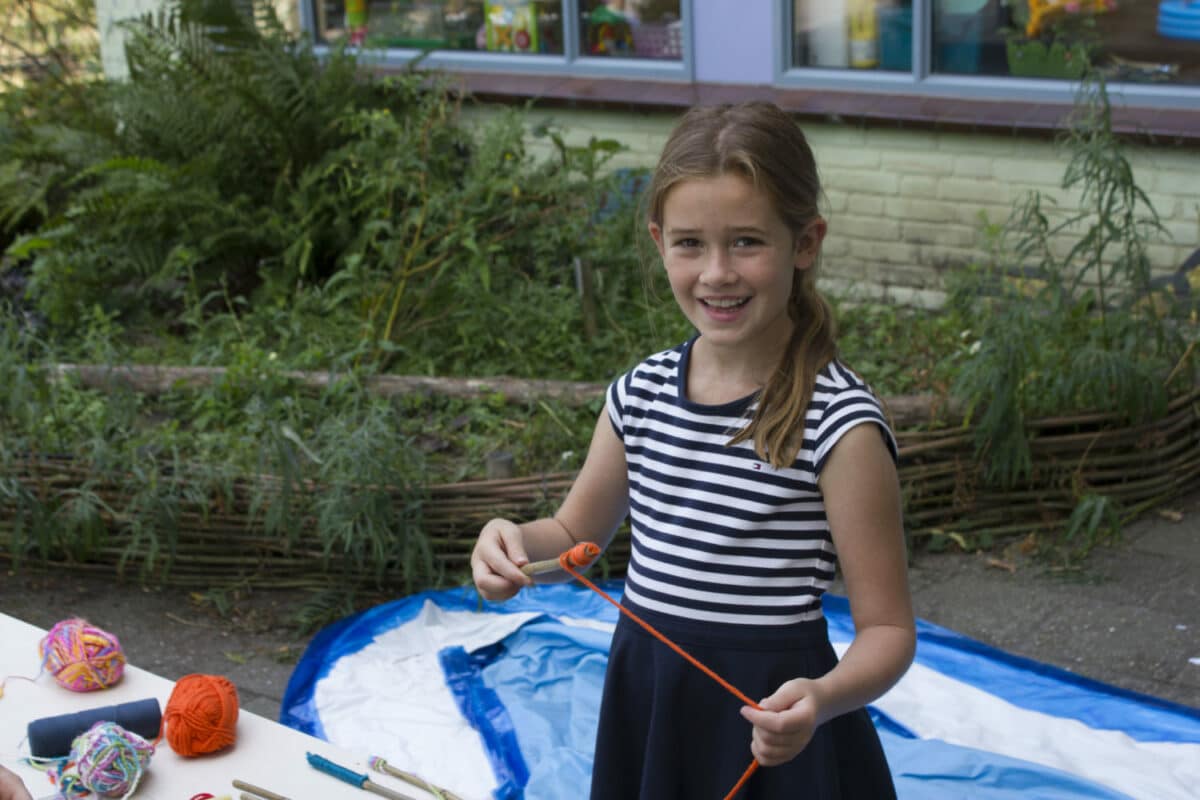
(416,780)
(541,567)
(383,791)
(153,379)
(263,793)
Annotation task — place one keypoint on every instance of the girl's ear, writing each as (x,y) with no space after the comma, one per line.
(808,243)
(656,233)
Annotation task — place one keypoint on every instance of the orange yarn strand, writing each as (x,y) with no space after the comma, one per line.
(567,561)
(737,787)
(201,715)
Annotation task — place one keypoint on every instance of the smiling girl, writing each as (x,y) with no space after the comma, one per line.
(752,464)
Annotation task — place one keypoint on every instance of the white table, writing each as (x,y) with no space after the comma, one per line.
(266,754)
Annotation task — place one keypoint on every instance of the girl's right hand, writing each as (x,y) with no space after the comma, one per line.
(497,559)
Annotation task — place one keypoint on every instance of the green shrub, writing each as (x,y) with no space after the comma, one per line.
(235,170)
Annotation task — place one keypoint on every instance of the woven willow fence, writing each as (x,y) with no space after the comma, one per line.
(218,538)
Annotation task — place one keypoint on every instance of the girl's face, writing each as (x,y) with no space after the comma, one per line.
(731,261)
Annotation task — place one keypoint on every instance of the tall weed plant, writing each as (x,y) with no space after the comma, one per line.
(1065,329)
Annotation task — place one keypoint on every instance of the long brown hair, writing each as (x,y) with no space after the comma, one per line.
(759,141)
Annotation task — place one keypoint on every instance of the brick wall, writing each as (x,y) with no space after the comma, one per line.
(906,206)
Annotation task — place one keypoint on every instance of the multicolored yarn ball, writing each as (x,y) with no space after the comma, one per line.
(105,759)
(82,657)
(201,714)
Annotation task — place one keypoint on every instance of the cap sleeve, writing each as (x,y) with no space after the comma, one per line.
(614,403)
(852,406)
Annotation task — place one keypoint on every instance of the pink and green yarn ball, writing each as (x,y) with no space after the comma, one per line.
(82,657)
(105,759)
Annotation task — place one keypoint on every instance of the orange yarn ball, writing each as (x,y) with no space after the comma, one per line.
(201,715)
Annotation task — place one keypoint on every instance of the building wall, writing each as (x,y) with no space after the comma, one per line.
(111,13)
(905,206)
(109,16)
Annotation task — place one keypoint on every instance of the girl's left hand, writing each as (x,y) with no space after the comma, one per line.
(786,722)
(11,787)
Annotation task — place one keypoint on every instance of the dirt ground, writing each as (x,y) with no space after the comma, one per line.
(1130,617)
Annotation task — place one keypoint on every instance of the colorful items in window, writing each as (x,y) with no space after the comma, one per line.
(1042,12)
(1179,19)
(658,39)
(862,26)
(608,33)
(512,27)
(356,21)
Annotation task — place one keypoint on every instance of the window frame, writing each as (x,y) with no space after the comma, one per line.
(921,81)
(572,62)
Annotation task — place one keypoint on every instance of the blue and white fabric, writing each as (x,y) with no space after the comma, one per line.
(500,701)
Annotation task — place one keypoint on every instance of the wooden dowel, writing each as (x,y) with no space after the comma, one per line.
(416,780)
(258,790)
(541,567)
(383,791)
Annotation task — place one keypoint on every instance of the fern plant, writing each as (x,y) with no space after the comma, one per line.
(180,179)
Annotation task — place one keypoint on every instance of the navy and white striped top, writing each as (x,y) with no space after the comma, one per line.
(718,534)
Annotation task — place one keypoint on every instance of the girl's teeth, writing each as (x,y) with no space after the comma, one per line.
(724,303)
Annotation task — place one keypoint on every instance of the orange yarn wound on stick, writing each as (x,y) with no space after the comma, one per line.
(580,556)
(586,550)
(201,715)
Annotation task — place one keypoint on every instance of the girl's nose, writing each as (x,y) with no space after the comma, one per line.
(718,268)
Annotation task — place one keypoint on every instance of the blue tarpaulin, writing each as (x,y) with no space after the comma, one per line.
(501,700)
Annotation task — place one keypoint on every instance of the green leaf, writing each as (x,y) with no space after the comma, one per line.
(25,246)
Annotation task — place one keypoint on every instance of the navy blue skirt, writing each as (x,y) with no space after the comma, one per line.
(669,732)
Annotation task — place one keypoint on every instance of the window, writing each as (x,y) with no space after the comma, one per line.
(1146,46)
(635,36)
(882,57)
